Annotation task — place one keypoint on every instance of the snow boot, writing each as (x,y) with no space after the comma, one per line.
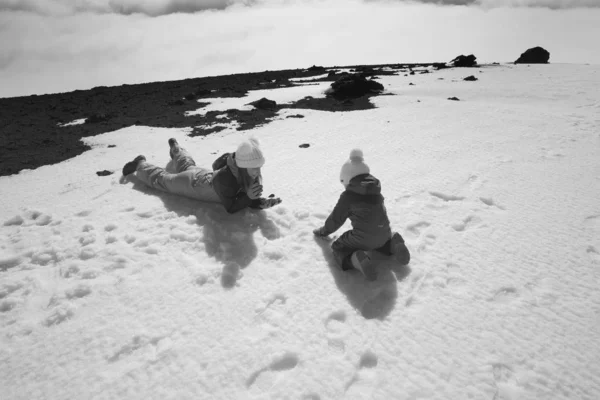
(399,249)
(173,147)
(362,262)
(131,166)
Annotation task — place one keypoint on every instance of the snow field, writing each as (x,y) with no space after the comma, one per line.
(112,290)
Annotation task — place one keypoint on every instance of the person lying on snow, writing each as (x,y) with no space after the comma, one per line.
(235,180)
(362,202)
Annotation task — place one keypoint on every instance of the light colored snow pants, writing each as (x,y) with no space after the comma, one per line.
(188,180)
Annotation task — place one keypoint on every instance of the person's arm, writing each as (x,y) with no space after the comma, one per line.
(337,217)
(229,192)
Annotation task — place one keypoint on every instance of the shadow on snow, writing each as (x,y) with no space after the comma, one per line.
(229,238)
(373,299)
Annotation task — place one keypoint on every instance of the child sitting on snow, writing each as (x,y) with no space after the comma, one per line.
(362,202)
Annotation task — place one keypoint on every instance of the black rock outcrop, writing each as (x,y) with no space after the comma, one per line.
(464,61)
(264,104)
(352,86)
(535,55)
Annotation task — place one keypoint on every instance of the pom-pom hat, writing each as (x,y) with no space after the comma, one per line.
(353,167)
(249,154)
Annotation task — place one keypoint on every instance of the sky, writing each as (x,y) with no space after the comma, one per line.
(112,290)
(49,46)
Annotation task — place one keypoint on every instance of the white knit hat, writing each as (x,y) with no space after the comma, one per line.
(353,167)
(249,155)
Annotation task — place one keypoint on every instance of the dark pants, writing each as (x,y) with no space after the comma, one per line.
(344,246)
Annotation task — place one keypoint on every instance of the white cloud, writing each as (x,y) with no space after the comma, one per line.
(44,54)
(553,4)
(125,7)
(163,7)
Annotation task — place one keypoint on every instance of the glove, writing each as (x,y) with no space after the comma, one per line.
(255,191)
(320,232)
(268,203)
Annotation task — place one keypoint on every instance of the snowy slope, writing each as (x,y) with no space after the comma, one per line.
(111,290)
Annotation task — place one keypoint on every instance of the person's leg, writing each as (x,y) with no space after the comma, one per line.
(342,248)
(195,183)
(397,248)
(342,255)
(361,260)
(131,166)
(349,255)
(153,176)
(181,158)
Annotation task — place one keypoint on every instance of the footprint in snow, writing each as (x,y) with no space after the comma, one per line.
(40,218)
(32,217)
(446,197)
(62,312)
(7,304)
(136,343)
(488,201)
(416,228)
(110,227)
(8,262)
(505,295)
(87,239)
(427,241)
(268,376)
(201,279)
(14,221)
(111,239)
(7,288)
(470,222)
(78,292)
(450,279)
(593,253)
(336,331)
(365,373)
(512,384)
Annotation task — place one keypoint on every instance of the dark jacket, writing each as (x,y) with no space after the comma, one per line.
(362,202)
(228,187)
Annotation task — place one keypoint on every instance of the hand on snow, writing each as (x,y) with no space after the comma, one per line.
(268,203)
(320,232)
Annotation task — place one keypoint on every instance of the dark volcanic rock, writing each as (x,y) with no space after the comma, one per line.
(316,68)
(535,55)
(202,92)
(454,98)
(32,131)
(178,102)
(351,86)
(464,61)
(104,173)
(470,78)
(304,145)
(96,118)
(264,104)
